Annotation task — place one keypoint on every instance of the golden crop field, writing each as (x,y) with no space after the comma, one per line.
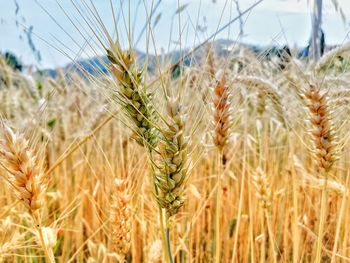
(241,157)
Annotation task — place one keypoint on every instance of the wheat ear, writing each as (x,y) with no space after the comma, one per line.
(170,171)
(329,56)
(263,190)
(323,132)
(170,168)
(136,101)
(24,176)
(324,148)
(263,193)
(269,89)
(121,217)
(222,113)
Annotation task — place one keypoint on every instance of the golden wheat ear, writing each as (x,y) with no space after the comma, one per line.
(323,136)
(121,216)
(222,113)
(263,190)
(23,172)
(26,179)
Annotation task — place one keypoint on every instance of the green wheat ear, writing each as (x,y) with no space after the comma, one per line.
(136,101)
(171,166)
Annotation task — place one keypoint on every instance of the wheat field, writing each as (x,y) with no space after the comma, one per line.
(235,158)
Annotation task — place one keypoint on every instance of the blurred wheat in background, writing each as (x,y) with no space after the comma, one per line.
(217,152)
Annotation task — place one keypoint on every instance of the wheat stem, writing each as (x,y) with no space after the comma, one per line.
(165,236)
(340,218)
(263,242)
(48,251)
(217,207)
(322,220)
(271,236)
(295,229)
(167,231)
(240,205)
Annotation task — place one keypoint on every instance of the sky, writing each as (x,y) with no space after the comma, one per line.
(62,34)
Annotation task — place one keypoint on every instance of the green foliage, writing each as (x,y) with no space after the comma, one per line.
(51,123)
(12,60)
(232,226)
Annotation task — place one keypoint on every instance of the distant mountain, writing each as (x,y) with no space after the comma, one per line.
(97,65)
(94,66)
